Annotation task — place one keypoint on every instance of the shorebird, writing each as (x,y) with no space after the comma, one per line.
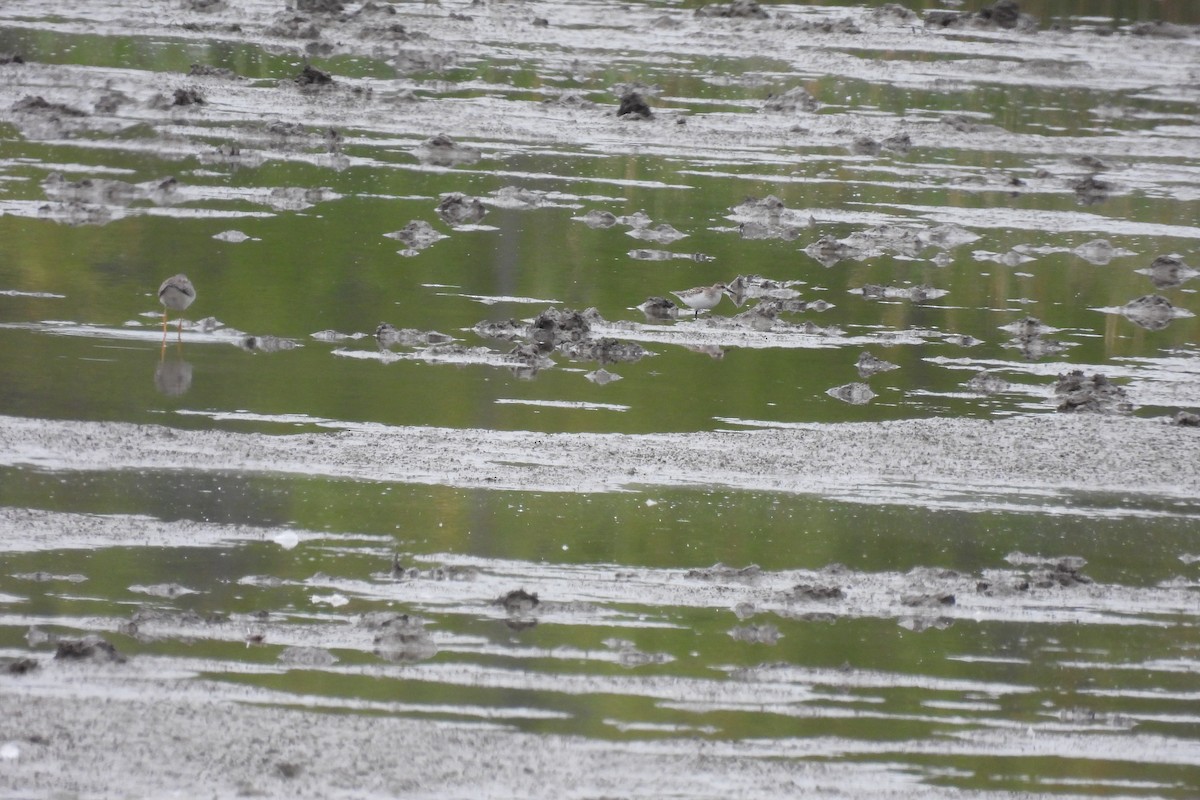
(702,298)
(176,294)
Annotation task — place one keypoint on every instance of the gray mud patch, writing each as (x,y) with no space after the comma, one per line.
(959,463)
(235,745)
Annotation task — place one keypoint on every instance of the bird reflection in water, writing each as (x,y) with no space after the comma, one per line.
(172,377)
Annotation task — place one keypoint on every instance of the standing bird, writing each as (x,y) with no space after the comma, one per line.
(702,298)
(176,294)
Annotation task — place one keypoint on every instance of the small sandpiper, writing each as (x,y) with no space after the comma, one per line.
(176,294)
(702,298)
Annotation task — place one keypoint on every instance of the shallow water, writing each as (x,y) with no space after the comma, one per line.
(956,651)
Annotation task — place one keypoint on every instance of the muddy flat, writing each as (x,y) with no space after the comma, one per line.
(592,399)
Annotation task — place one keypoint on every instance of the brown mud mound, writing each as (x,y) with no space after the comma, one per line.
(1078,392)
(1002,14)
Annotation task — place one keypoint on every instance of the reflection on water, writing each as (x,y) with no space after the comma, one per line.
(457,230)
(173,377)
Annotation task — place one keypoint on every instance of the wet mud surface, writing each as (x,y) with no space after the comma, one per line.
(880,480)
(917,462)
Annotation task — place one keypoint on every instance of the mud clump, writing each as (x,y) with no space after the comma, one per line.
(1000,15)
(394,32)
(519,198)
(842,25)
(1168,272)
(1087,716)
(518,601)
(761,317)
(897,143)
(527,360)
(266,344)
(1095,394)
(633,106)
(110,192)
(900,144)
(765,633)
(311,76)
(320,6)
(36,104)
(598,219)
(662,233)
(917,294)
(187,97)
(280,128)
(721,573)
(1099,251)
(829,251)
(142,624)
(379,620)
(307,657)
(659,308)
(630,656)
(1065,572)
(985,382)
(856,394)
(1152,312)
(958,122)
(738,9)
(997,588)
(453,572)
(76,213)
(865,146)
(928,600)
(509,330)
(388,335)
(18,666)
(459,209)
(768,218)
(605,350)
(417,235)
(1029,337)
(555,327)
(1164,30)
(443,151)
(89,648)
(520,606)
(792,101)
(564,330)
(1091,190)
(1043,573)
(209,71)
(903,240)
(893,14)
(868,365)
(401,638)
(809,592)
(295,26)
